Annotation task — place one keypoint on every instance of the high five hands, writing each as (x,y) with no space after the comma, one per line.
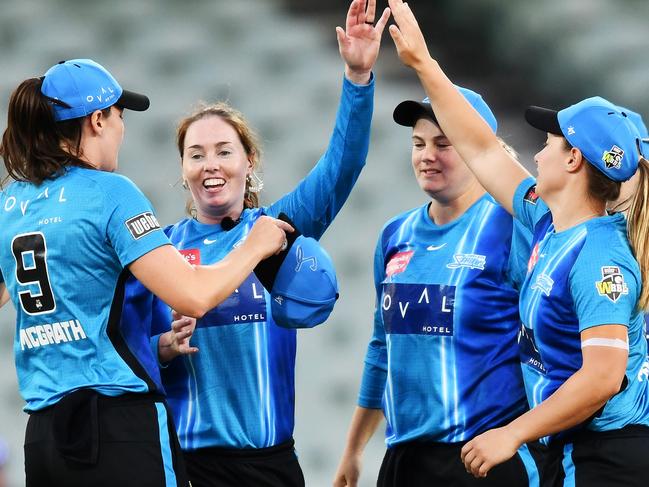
(359,42)
(407,36)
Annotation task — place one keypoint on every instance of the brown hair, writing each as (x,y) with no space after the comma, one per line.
(638,228)
(247,136)
(32,143)
(600,186)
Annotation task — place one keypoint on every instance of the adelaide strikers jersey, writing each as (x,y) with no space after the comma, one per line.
(579,278)
(443,362)
(65,244)
(238,391)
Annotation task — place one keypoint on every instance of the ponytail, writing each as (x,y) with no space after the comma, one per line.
(638,229)
(34,146)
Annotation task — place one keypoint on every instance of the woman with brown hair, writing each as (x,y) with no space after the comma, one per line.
(72,232)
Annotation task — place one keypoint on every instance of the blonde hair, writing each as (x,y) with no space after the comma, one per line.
(638,229)
(246,134)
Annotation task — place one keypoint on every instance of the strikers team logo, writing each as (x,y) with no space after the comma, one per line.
(613,158)
(470,261)
(612,284)
(543,283)
(142,224)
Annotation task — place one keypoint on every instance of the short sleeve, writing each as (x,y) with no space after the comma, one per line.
(528,207)
(519,253)
(605,284)
(131,225)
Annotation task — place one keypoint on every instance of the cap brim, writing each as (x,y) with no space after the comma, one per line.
(133,101)
(408,112)
(543,119)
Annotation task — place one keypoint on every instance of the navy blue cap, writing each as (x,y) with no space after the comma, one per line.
(78,87)
(408,112)
(301,281)
(605,135)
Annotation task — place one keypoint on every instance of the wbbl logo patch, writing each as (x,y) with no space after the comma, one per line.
(612,284)
(142,224)
(613,158)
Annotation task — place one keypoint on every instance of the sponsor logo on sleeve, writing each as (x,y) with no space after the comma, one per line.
(613,158)
(531,196)
(612,284)
(193,256)
(142,224)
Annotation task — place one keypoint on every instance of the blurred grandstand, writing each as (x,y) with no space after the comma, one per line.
(277,62)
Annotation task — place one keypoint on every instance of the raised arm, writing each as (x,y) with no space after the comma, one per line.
(194,290)
(359,42)
(496,170)
(318,198)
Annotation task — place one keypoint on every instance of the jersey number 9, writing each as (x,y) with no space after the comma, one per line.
(30,252)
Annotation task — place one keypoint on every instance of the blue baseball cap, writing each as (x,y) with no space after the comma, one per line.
(301,281)
(636,119)
(78,87)
(305,288)
(604,134)
(408,112)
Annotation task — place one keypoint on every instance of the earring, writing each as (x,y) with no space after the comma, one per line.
(254,183)
(184,185)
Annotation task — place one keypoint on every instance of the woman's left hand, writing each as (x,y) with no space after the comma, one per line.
(359,42)
(489,449)
(176,341)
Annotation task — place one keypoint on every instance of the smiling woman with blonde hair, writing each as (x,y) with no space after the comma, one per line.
(233,402)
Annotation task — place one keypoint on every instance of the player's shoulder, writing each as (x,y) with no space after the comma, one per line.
(105,182)
(606,239)
(404,218)
(608,232)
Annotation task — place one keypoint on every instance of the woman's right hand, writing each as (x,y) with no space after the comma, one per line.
(268,236)
(349,470)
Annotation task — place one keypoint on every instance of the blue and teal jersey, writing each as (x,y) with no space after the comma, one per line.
(238,391)
(579,278)
(65,245)
(443,361)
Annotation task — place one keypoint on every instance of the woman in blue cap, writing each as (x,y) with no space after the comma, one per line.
(581,343)
(233,402)
(442,364)
(72,231)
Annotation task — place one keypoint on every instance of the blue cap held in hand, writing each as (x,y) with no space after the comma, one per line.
(301,281)
(408,112)
(78,87)
(599,129)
